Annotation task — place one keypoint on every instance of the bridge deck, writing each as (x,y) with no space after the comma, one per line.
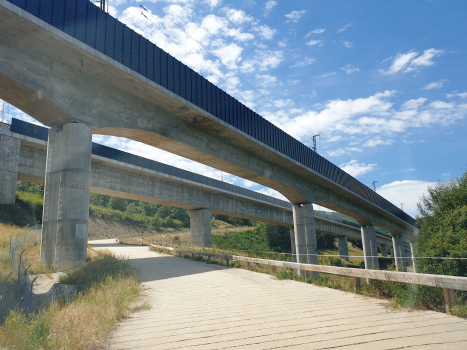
(195,305)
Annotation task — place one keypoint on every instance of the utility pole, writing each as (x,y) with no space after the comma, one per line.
(314,142)
(374,185)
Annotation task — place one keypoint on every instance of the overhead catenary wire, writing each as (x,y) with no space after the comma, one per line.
(252,87)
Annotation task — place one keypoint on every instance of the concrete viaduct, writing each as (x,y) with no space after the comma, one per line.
(80,71)
(24,147)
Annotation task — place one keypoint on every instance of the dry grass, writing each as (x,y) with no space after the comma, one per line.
(85,321)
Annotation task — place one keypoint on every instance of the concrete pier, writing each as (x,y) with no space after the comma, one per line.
(9,157)
(370,249)
(200,227)
(398,250)
(66,196)
(343,247)
(292,243)
(384,250)
(305,235)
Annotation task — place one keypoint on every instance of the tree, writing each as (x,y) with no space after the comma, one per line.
(116,203)
(277,237)
(443,228)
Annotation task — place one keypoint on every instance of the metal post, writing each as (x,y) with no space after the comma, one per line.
(19,265)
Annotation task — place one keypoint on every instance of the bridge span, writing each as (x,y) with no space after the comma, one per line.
(80,71)
(120,174)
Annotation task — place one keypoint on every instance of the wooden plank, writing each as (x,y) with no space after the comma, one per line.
(440,281)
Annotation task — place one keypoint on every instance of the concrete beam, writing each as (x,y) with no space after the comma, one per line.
(200,227)
(41,76)
(9,158)
(66,196)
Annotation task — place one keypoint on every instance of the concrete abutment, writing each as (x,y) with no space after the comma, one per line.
(370,249)
(305,235)
(66,196)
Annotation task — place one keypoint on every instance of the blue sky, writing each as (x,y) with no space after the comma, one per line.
(383,83)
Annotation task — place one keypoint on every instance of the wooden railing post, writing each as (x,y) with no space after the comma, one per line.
(449,299)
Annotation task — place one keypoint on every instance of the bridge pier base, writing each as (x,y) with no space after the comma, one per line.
(370,248)
(343,247)
(66,196)
(292,243)
(9,158)
(305,235)
(200,227)
(398,250)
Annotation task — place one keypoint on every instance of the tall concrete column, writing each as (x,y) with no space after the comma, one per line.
(384,250)
(292,243)
(305,235)
(414,261)
(200,227)
(9,157)
(398,250)
(370,248)
(343,247)
(66,196)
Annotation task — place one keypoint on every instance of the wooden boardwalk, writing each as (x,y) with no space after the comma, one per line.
(200,306)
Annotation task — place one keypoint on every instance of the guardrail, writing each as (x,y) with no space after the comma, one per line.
(449,283)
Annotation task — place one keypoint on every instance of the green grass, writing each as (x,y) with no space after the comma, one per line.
(107,290)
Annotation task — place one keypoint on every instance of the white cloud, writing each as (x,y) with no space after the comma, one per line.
(266,80)
(355,168)
(230,55)
(272,193)
(344,28)
(314,42)
(294,16)
(315,31)
(405,191)
(263,60)
(293,81)
(461,95)
(410,62)
(434,85)
(349,69)
(348,44)
(414,104)
(213,3)
(325,75)
(238,16)
(305,62)
(373,142)
(268,6)
(265,31)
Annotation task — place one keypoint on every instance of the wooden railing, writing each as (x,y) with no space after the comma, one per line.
(449,283)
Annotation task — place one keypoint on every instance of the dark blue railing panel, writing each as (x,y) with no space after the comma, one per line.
(89,24)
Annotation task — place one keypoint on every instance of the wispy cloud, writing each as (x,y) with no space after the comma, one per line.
(314,32)
(409,61)
(305,62)
(461,95)
(348,44)
(349,69)
(344,28)
(294,16)
(325,75)
(355,168)
(434,85)
(314,42)
(268,6)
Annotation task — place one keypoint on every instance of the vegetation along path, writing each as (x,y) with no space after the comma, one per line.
(206,306)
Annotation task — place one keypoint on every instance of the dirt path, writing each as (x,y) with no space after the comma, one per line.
(200,306)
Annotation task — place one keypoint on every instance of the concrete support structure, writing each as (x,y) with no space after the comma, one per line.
(398,250)
(305,235)
(9,158)
(66,196)
(292,243)
(414,261)
(370,249)
(200,227)
(343,247)
(384,250)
